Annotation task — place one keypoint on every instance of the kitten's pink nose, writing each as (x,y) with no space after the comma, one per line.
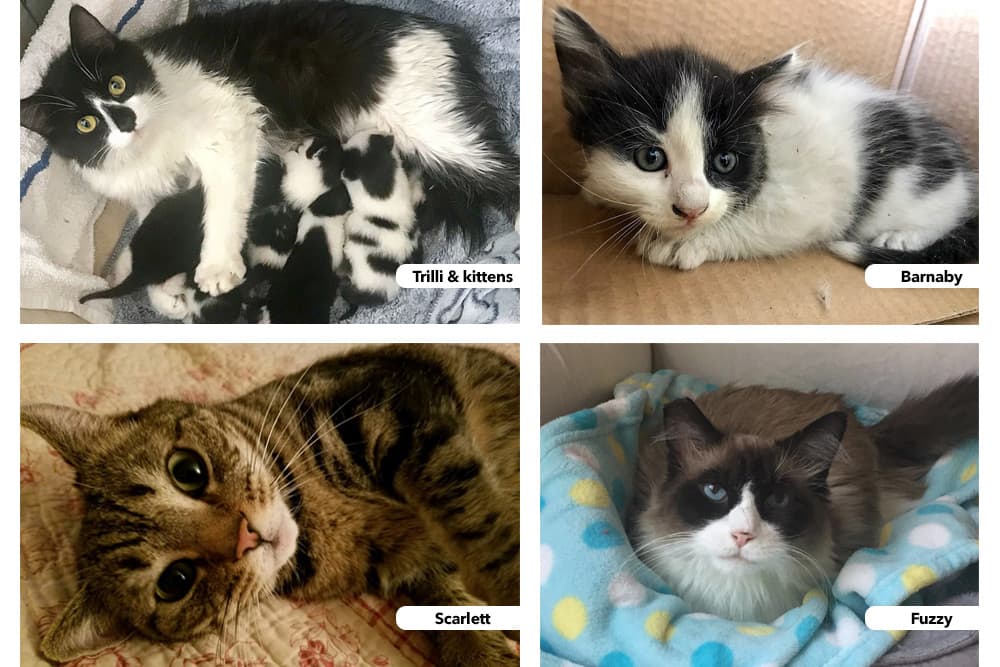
(689,214)
(741,537)
(246,540)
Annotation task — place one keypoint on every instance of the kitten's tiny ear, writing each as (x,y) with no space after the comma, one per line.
(82,628)
(684,421)
(86,33)
(816,445)
(585,58)
(72,432)
(787,64)
(33,114)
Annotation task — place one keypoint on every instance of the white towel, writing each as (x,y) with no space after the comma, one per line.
(58,209)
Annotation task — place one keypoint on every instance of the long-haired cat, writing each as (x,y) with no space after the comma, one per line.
(391,470)
(210,95)
(753,496)
(726,165)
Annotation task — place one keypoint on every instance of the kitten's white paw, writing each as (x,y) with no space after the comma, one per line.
(219,275)
(684,255)
(903,240)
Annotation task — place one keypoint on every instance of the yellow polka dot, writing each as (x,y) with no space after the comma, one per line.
(756,630)
(589,492)
(885,535)
(616,449)
(814,595)
(569,617)
(916,577)
(647,386)
(658,626)
(969,472)
(897,634)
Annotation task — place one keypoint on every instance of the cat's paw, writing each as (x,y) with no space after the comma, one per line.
(903,240)
(684,255)
(220,275)
(168,302)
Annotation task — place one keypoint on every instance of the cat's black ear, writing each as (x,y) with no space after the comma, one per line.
(83,627)
(585,58)
(787,64)
(86,33)
(816,445)
(684,422)
(34,115)
(71,432)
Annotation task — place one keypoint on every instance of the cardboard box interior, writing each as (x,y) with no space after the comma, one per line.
(927,47)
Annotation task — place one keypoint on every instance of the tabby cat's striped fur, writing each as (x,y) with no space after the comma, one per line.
(389,470)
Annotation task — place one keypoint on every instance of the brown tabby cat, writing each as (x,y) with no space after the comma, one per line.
(752,496)
(392,470)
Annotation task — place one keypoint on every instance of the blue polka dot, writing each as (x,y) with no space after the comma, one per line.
(546,647)
(618,494)
(584,419)
(934,508)
(543,502)
(602,535)
(712,654)
(806,629)
(616,659)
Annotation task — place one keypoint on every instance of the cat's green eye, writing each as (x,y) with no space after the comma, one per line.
(86,125)
(714,492)
(176,581)
(188,471)
(117,85)
(777,499)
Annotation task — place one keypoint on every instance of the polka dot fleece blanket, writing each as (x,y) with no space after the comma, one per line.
(600,606)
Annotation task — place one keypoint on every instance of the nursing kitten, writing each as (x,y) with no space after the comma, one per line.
(727,165)
(391,470)
(381,230)
(753,496)
(208,97)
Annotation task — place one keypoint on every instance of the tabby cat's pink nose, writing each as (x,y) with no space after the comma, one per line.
(246,540)
(742,537)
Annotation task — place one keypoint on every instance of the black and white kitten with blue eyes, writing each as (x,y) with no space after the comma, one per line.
(727,165)
(202,101)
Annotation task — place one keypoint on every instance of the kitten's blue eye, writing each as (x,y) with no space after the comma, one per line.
(714,492)
(725,162)
(176,580)
(650,158)
(188,471)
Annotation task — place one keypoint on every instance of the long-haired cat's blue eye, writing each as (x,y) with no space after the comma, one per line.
(188,471)
(650,158)
(175,581)
(714,492)
(725,162)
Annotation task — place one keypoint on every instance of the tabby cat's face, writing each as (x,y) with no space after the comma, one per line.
(96,97)
(670,134)
(184,520)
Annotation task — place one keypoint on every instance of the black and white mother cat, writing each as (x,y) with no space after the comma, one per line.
(209,96)
(726,165)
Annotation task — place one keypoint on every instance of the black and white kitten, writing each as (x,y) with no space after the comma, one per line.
(726,165)
(382,230)
(208,97)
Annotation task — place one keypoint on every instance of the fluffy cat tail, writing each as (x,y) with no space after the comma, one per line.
(959,247)
(922,429)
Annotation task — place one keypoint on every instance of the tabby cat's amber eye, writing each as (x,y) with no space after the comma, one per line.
(117,85)
(188,471)
(176,580)
(86,125)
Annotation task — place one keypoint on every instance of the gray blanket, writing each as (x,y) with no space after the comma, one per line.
(494,25)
